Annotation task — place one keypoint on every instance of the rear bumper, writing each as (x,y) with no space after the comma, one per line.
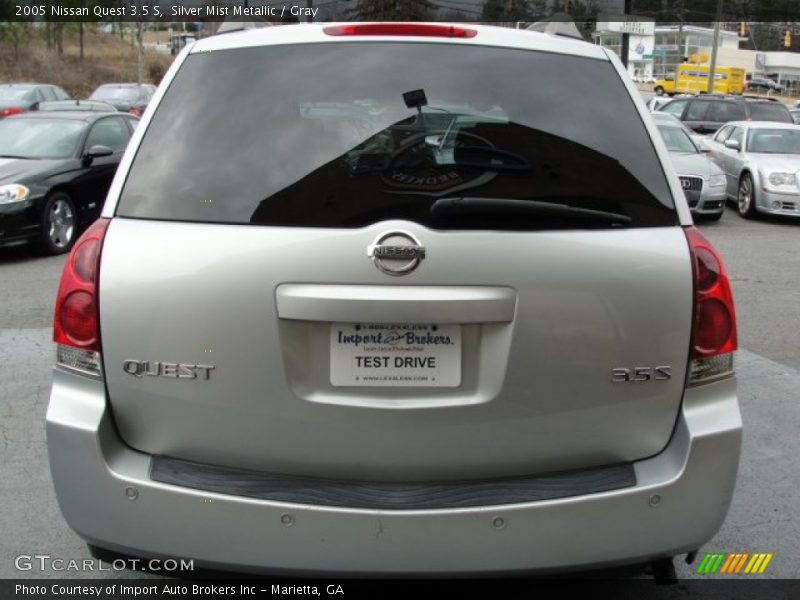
(678,503)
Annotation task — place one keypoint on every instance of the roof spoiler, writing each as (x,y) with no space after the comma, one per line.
(560,24)
(231,26)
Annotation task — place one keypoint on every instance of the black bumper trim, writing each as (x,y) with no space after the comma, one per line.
(389,495)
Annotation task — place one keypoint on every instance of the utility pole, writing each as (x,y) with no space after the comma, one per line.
(713,70)
(680,11)
(625,36)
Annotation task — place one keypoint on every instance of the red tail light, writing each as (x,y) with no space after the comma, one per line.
(401,29)
(135,112)
(11,110)
(714,324)
(76,315)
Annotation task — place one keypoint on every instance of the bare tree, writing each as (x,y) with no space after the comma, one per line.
(58,35)
(15,33)
(139,51)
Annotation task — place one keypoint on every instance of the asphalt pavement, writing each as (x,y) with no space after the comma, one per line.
(762,258)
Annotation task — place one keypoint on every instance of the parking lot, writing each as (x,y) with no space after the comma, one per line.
(763,259)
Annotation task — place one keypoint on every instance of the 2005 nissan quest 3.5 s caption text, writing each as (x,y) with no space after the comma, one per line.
(408,316)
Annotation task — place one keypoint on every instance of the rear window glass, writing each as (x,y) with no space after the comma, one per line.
(698,111)
(349,134)
(770,111)
(115,93)
(722,112)
(14,94)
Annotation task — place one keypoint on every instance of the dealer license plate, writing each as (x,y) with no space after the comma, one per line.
(393,355)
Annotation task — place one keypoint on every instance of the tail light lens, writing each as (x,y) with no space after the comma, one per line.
(76,327)
(714,318)
(401,29)
(11,110)
(135,112)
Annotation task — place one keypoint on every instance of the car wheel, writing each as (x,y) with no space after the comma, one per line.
(746,198)
(659,91)
(59,224)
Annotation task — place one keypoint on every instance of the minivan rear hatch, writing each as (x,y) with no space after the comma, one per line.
(396,261)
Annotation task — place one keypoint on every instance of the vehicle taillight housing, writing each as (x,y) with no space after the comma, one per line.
(713,340)
(135,111)
(11,110)
(76,326)
(401,29)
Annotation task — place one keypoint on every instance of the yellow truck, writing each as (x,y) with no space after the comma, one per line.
(693,79)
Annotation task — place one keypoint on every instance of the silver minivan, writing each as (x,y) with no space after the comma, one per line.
(391,298)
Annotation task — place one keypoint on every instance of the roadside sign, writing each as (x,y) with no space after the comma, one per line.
(657,53)
(618,23)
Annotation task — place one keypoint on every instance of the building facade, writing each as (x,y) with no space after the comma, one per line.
(653,54)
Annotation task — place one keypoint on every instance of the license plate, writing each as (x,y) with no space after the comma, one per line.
(391,355)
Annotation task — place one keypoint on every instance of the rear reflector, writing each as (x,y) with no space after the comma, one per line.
(401,29)
(714,318)
(76,327)
(84,361)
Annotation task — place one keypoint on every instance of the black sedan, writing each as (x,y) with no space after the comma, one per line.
(55,171)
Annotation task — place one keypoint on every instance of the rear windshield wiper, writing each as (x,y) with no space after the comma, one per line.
(506,207)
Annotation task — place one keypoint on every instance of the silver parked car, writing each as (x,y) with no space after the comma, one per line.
(406,317)
(699,139)
(702,181)
(761,161)
(656,103)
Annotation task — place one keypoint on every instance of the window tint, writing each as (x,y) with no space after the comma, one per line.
(132,122)
(697,111)
(111,132)
(774,141)
(10,94)
(770,111)
(723,134)
(48,93)
(112,93)
(60,93)
(676,139)
(381,131)
(722,112)
(40,138)
(737,134)
(675,107)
